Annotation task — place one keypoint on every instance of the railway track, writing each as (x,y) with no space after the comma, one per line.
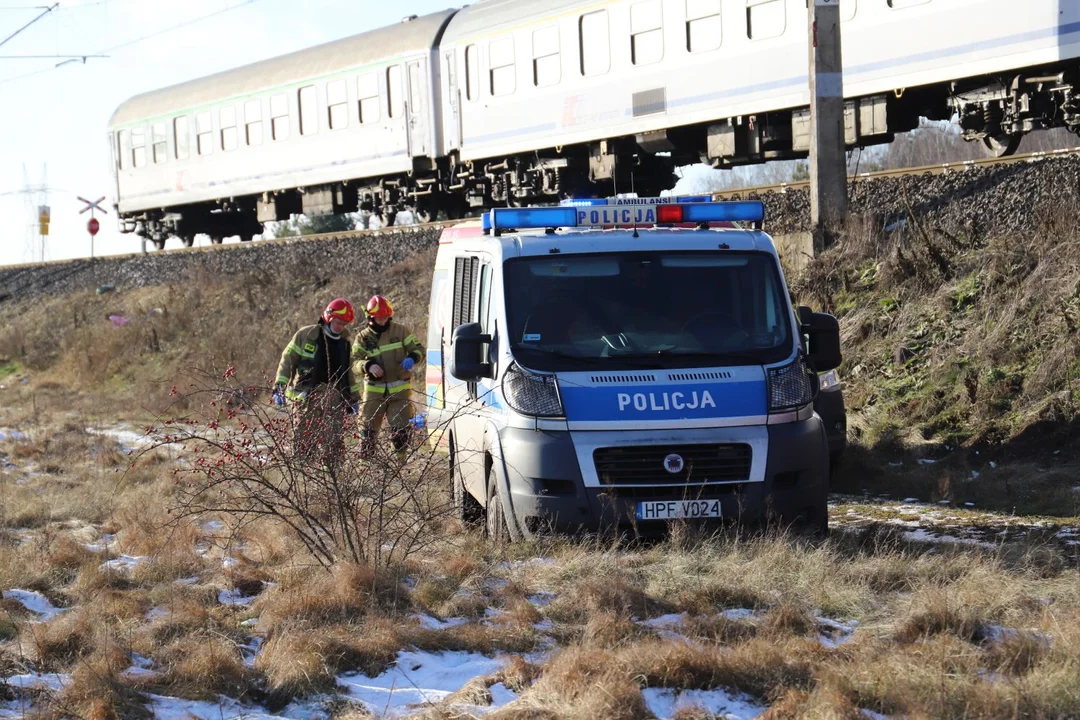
(939,169)
(62,268)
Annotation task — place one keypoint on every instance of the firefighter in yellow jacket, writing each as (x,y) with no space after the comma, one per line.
(385,354)
(315,374)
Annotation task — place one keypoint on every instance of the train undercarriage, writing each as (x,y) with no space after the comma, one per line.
(993,111)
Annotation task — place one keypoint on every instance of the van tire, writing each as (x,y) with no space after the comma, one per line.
(466,508)
(496,527)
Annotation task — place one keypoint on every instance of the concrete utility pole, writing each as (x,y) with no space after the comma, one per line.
(828,162)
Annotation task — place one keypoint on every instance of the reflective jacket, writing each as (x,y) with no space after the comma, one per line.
(386,349)
(312,358)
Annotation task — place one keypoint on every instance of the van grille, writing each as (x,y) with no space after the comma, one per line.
(690,492)
(645,465)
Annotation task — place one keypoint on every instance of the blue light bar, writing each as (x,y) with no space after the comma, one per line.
(752,211)
(625,212)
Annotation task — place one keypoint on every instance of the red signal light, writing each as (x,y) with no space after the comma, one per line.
(666,214)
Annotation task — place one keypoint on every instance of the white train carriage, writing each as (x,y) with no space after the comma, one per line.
(510,102)
(298,133)
(609,88)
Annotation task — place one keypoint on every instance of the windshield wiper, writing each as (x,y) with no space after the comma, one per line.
(556,353)
(667,353)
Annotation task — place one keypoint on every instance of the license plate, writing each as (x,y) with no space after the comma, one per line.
(677,509)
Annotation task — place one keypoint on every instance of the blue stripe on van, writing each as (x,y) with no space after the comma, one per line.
(664,402)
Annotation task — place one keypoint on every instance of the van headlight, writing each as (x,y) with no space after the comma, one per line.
(531,393)
(790,386)
(829,381)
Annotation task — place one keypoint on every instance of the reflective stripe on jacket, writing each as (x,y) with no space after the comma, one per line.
(298,363)
(387,350)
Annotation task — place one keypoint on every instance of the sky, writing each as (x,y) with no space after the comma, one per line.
(53,120)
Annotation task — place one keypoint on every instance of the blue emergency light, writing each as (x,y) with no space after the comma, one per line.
(625,213)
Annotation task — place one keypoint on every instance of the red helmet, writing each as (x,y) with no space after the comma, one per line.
(339,309)
(379,307)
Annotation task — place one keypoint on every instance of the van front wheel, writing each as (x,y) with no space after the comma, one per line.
(466,508)
(496,525)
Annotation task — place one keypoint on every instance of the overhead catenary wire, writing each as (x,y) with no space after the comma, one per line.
(47,11)
(104,51)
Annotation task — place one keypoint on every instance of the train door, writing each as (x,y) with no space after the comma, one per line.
(453,97)
(418,134)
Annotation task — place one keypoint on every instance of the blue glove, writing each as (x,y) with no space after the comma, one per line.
(407,364)
(279,396)
(354,408)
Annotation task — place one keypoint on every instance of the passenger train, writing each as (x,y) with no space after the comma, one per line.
(514,102)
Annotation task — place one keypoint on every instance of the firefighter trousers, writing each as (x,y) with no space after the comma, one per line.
(394,408)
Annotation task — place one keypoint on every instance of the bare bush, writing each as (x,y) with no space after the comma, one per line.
(240,460)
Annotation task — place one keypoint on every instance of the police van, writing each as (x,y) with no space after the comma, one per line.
(625,362)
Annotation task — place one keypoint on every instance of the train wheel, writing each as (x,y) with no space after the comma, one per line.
(216,239)
(1001,145)
(159,244)
(188,240)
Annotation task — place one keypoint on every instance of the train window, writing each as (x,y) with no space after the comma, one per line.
(227,118)
(393,91)
(472,72)
(416,88)
(181,137)
(703,28)
(337,104)
(160,141)
(765,18)
(367,90)
(253,133)
(501,62)
(204,133)
(138,147)
(594,43)
(309,115)
(547,68)
(279,117)
(646,32)
(899,4)
(123,155)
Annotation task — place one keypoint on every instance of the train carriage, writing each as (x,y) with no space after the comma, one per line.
(223,154)
(512,102)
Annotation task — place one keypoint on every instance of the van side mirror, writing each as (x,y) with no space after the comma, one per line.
(466,358)
(824,332)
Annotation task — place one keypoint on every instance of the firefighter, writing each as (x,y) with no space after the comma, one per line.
(385,354)
(315,375)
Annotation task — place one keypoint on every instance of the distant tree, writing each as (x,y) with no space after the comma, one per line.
(303,225)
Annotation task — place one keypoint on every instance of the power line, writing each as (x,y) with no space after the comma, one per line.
(47,11)
(158,33)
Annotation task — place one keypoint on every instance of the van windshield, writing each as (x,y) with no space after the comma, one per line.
(652,309)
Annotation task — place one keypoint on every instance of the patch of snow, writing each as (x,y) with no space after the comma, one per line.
(896,464)
(213,525)
(837,633)
(975,474)
(250,622)
(35,602)
(513,564)
(167,708)
(189,580)
(140,667)
(664,621)
(429,622)
(107,540)
(9,434)
(417,678)
(126,439)
(910,500)
(871,715)
(992,464)
(739,614)
(926,461)
(501,695)
(158,612)
(124,563)
(49,681)
(969,504)
(542,599)
(235,597)
(664,703)
(922,535)
(228,562)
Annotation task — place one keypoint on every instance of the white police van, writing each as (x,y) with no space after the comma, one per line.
(622,363)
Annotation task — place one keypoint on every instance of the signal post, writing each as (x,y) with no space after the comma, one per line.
(828,161)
